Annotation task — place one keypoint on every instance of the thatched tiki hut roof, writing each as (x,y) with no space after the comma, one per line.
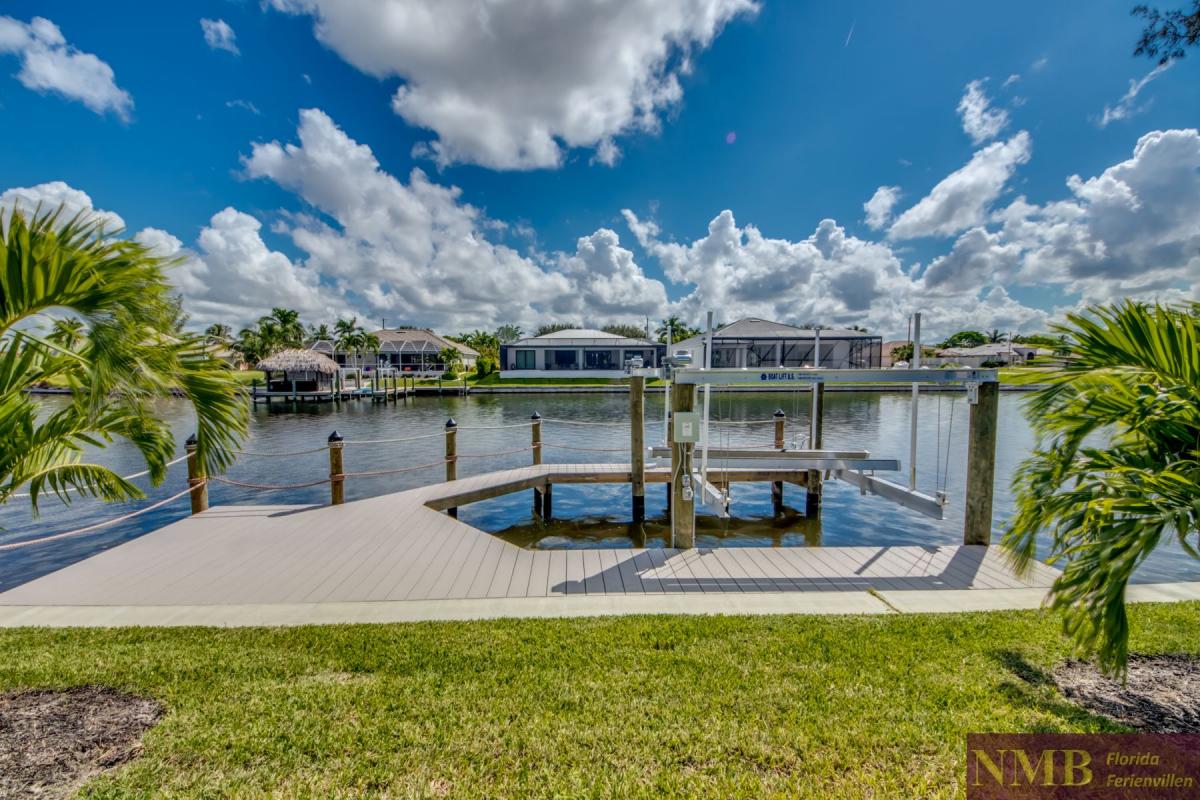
(299,361)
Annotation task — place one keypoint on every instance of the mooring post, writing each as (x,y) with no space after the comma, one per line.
(196,479)
(535,443)
(452,457)
(670,442)
(683,492)
(812,499)
(777,486)
(637,445)
(981,464)
(337,478)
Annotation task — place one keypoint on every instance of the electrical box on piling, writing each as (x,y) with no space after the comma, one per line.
(686,427)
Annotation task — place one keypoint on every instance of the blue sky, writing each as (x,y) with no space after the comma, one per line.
(783,113)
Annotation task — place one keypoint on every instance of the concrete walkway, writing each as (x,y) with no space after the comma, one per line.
(822,603)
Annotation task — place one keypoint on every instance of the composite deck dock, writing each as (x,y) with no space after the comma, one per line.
(272,564)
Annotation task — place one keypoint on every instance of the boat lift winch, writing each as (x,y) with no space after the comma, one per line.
(856,467)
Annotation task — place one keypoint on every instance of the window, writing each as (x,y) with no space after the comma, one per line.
(600,359)
(761,355)
(724,356)
(526,359)
(798,354)
(562,359)
(646,355)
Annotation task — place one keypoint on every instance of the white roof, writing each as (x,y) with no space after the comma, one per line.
(579,333)
(581,337)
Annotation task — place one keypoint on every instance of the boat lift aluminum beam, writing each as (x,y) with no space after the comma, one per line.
(902,495)
(725,376)
(799,461)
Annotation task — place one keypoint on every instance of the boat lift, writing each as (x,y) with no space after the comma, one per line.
(856,467)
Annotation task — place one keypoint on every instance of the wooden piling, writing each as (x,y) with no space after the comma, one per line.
(196,479)
(812,499)
(637,445)
(535,442)
(777,486)
(683,506)
(337,478)
(670,445)
(981,465)
(452,457)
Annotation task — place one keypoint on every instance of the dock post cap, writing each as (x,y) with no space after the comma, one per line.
(450,423)
(536,416)
(335,437)
(779,413)
(190,441)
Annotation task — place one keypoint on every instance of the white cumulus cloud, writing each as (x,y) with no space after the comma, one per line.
(879,207)
(219,35)
(514,85)
(980,120)
(50,64)
(964,197)
(1128,106)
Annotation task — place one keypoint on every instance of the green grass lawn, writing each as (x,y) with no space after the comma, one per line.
(247,376)
(810,707)
(494,379)
(1019,376)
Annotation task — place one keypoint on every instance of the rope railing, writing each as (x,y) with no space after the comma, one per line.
(97,526)
(495,427)
(379,472)
(291,454)
(586,449)
(393,441)
(583,422)
(141,474)
(494,455)
(268,487)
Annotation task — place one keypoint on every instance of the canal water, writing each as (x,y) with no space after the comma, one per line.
(577,428)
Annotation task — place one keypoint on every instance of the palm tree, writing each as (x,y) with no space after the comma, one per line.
(508,333)
(995,336)
(319,333)
(450,359)
(679,330)
(1117,465)
(348,336)
(129,355)
(289,329)
(368,343)
(218,334)
(67,332)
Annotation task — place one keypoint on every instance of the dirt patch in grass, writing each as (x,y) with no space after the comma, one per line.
(52,741)
(1162,694)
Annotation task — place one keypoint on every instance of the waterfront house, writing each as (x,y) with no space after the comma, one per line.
(577,353)
(754,343)
(998,354)
(300,372)
(414,351)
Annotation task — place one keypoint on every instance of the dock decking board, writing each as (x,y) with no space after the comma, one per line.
(398,547)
